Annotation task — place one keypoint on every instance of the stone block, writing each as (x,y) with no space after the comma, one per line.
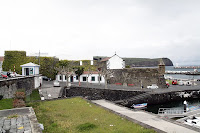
(14,130)
(20,131)
(14,121)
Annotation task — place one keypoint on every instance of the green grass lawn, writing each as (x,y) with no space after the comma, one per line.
(6,104)
(77,115)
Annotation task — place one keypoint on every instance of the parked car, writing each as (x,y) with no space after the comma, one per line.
(153,86)
(174,82)
(167,84)
(188,83)
(198,79)
(180,83)
(56,83)
(46,78)
(13,74)
(4,74)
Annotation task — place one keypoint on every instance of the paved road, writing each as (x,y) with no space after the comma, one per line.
(49,91)
(145,118)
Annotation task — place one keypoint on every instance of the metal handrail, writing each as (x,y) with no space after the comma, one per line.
(170,111)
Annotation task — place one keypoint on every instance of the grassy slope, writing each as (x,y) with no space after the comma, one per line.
(77,115)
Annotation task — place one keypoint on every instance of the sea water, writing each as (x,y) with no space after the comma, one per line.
(176,104)
(181,76)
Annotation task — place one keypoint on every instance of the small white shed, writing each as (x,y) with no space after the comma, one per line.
(30,69)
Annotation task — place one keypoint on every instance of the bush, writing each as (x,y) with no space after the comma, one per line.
(17,103)
(20,95)
(86,127)
(1,97)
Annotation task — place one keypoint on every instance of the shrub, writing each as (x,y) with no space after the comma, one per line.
(17,103)
(1,97)
(20,95)
(86,127)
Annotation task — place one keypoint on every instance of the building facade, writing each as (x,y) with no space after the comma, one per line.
(93,77)
(30,69)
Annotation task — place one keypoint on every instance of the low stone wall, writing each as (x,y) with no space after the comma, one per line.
(159,98)
(96,94)
(127,97)
(10,86)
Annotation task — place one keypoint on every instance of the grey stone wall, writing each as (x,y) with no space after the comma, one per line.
(159,98)
(127,98)
(10,86)
(96,94)
(139,76)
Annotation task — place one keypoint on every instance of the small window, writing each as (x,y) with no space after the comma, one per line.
(93,78)
(65,78)
(60,77)
(76,77)
(84,79)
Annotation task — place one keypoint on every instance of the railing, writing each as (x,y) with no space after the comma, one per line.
(170,111)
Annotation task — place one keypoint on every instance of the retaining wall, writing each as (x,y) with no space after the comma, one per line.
(10,86)
(115,95)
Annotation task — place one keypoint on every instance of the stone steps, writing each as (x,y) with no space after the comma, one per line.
(140,96)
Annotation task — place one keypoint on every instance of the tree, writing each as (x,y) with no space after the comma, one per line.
(79,71)
(106,73)
(65,68)
(14,58)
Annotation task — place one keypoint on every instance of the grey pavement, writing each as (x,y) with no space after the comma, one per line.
(145,118)
(129,88)
(49,91)
(19,120)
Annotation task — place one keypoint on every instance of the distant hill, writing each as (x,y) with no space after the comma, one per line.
(146,62)
(141,62)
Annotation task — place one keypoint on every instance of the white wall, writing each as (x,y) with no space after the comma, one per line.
(81,78)
(90,78)
(35,70)
(115,62)
(37,81)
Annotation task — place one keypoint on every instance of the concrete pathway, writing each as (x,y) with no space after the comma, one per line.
(145,118)
(53,91)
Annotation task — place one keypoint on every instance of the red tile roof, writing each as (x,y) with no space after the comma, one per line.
(87,72)
(1,58)
(105,59)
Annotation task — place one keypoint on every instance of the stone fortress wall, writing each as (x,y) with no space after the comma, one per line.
(139,77)
(9,87)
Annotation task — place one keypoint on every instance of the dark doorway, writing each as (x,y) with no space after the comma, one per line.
(72,78)
(27,71)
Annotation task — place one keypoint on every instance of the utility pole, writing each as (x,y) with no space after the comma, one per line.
(39,57)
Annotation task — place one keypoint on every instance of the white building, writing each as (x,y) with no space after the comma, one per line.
(114,62)
(30,69)
(93,77)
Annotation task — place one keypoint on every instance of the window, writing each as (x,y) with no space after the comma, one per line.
(65,78)
(76,77)
(60,77)
(93,79)
(84,79)
(31,71)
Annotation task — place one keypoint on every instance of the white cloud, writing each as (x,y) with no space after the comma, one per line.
(80,29)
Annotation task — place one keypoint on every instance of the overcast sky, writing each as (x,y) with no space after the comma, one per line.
(80,29)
